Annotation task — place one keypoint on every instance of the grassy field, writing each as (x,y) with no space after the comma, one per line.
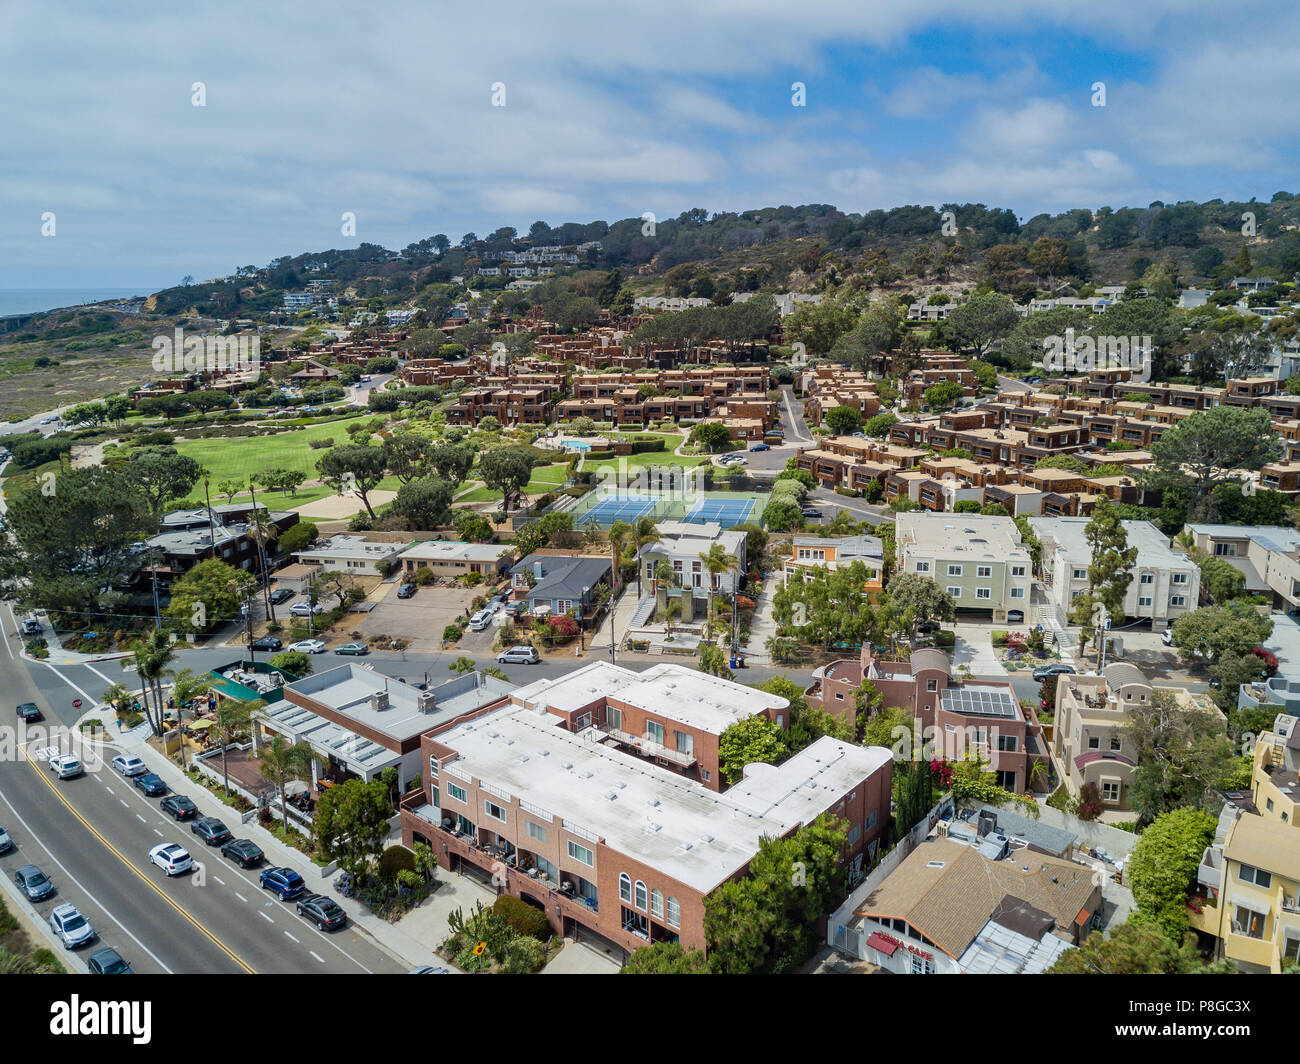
(236,458)
(545,478)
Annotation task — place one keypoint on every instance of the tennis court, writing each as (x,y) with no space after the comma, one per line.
(610,508)
(726,512)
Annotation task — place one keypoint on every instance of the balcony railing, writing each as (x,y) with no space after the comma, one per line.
(647,746)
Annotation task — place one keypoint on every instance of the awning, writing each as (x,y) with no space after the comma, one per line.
(877,941)
(200,725)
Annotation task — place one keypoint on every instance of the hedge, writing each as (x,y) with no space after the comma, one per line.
(522,917)
(395,859)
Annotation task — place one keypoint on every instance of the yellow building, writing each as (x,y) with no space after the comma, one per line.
(1274,782)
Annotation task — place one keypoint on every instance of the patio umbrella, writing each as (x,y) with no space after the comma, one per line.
(200,725)
(295,787)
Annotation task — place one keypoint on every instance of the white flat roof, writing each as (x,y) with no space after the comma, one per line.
(668,690)
(447,551)
(651,814)
(1152,544)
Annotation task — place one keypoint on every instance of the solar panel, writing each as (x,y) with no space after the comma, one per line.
(981,702)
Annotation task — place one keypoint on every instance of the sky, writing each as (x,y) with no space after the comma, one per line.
(387,111)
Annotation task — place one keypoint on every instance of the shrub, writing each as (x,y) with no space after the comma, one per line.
(395,859)
(452,633)
(423,576)
(524,955)
(264,816)
(522,917)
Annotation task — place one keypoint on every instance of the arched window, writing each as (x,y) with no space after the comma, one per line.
(657,904)
(674,913)
(640,895)
(625,887)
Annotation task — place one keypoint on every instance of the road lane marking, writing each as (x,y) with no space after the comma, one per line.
(221,881)
(108,788)
(159,833)
(316,955)
(287,935)
(139,817)
(265,917)
(123,801)
(241,897)
(142,876)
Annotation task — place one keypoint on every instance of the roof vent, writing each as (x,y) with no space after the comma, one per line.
(936,864)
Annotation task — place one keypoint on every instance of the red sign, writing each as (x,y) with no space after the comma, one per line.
(76,703)
(904,945)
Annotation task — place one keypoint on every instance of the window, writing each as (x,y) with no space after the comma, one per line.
(870,821)
(921,966)
(494,811)
(706,775)
(640,895)
(1248,922)
(657,904)
(954,570)
(624,887)
(1017,592)
(1094,742)
(1114,742)
(955,592)
(435,796)
(1009,743)
(1178,600)
(614,718)
(685,743)
(1110,790)
(1144,600)
(1178,578)
(581,853)
(932,684)
(674,913)
(1225,550)
(457,792)
(983,593)
(1081,574)
(1292,948)
(1270,805)
(654,732)
(535,831)
(922,567)
(1017,570)
(1249,874)
(1148,578)
(855,833)
(983,571)
(433,768)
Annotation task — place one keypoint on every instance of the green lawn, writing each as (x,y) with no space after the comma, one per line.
(237,457)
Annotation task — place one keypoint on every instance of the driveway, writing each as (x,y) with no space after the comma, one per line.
(577,959)
(974,648)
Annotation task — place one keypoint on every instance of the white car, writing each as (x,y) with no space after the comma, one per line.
(305,609)
(480,620)
(65,766)
(53,419)
(129,765)
(72,928)
(171,858)
(521,655)
(308,646)
(1167,637)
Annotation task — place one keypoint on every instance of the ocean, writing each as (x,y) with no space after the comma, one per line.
(30,300)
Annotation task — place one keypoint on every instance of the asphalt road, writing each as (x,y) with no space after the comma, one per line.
(92,835)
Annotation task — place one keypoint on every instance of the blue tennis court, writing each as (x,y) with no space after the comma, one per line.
(618,508)
(726,512)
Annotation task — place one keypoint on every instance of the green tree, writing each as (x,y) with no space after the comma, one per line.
(354,468)
(452,462)
(507,470)
(351,823)
(424,503)
(916,598)
(294,662)
(748,741)
(878,425)
(1110,571)
(232,721)
(1133,948)
(1162,870)
(710,434)
(716,562)
(843,420)
(209,594)
(714,662)
(1211,446)
(149,659)
(943,395)
(163,474)
(1181,752)
(981,321)
(280,764)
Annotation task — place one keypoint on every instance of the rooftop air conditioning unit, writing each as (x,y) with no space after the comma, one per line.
(379,701)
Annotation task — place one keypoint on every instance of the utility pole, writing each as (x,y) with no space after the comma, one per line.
(261,553)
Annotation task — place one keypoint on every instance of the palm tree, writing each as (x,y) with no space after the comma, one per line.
(644,533)
(716,562)
(281,764)
(117,696)
(187,685)
(841,524)
(618,533)
(233,720)
(150,658)
(262,530)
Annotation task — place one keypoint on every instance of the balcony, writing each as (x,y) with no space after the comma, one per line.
(647,747)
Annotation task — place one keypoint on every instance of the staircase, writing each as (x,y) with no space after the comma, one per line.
(644,608)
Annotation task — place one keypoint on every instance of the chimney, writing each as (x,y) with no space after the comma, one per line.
(379,701)
(537,570)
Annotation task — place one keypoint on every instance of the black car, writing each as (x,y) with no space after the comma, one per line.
(180,807)
(107,961)
(406,591)
(211,830)
(810,511)
(244,852)
(267,642)
(281,595)
(1048,671)
(324,912)
(150,784)
(29,711)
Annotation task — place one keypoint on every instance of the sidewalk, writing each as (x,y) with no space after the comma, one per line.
(619,617)
(762,625)
(429,921)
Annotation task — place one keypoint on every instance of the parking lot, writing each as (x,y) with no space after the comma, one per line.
(422,617)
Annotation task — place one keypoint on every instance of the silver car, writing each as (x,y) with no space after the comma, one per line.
(72,928)
(6,843)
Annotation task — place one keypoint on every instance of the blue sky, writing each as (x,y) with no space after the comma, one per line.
(385,111)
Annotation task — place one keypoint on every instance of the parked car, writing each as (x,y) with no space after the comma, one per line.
(281,594)
(33,882)
(428,969)
(32,626)
(521,655)
(211,830)
(151,785)
(1041,674)
(324,912)
(810,511)
(128,764)
(72,928)
(107,961)
(305,609)
(284,882)
(1167,637)
(356,649)
(480,620)
(65,766)
(406,591)
(29,712)
(6,843)
(171,858)
(244,852)
(267,642)
(517,608)
(308,646)
(761,447)
(776,432)
(179,806)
